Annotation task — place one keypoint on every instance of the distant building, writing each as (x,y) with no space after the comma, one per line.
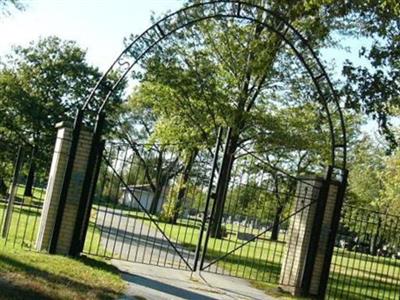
(143,194)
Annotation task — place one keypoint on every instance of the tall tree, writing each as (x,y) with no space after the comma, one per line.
(374,88)
(230,73)
(41,85)
(369,187)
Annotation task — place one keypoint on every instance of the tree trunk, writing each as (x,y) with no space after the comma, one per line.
(155,200)
(29,182)
(183,187)
(31,175)
(375,240)
(275,225)
(222,188)
(3,187)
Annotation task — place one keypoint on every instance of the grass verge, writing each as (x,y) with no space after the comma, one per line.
(32,275)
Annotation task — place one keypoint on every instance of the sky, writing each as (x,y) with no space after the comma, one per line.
(97,25)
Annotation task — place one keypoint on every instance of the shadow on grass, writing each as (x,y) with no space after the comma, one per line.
(368,257)
(9,290)
(17,281)
(238,265)
(351,287)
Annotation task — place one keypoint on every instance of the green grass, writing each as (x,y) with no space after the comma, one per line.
(93,236)
(38,195)
(24,225)
(32,275)
(356,275)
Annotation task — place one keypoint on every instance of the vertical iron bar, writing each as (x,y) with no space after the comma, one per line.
(66,182)
(209,192)
(85,201)
(31,173)
(332,236)
(222,187)
(91,195)
(11,197)
(209,228)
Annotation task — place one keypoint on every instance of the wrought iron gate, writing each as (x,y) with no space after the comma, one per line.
(135,214)
(258,204)
(177,232)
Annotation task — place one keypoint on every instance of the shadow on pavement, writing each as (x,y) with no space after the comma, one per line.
(165,288)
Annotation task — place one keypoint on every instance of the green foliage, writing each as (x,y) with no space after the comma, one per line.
(238,74)
(373,185)
(41,85)
(374,89)
(6,6)
(169,209)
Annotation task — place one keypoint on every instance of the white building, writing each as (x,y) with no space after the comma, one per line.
(143,194)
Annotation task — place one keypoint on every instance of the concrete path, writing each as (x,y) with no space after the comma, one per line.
(128,240)
(134,240)
(158,283)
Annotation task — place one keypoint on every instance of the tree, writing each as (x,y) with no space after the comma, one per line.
(373,185)
(230,73)
(41,85)
(375,89)
(160,162)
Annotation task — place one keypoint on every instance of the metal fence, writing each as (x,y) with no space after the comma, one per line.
(255,224)
(366,262)
(24,180)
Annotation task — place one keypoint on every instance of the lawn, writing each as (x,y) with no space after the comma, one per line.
(24,225)
(32,275)
(357,275)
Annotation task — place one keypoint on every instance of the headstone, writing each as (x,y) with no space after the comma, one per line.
(245,236)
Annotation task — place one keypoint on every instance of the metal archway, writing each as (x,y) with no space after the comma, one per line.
(240,10)
(165,27)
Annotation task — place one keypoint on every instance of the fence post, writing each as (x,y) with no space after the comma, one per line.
(85,202)
(64,188)
(13,191)
(299,233)
(66,182)
(91,195)
(333,232)
(221,190)
(311,236)
(316,231)
(208,198)
(210,227)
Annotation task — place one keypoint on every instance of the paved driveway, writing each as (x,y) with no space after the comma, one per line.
(137,248)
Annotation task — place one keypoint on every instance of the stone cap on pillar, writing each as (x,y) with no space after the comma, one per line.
(64,124)
(318,178)
(69,126)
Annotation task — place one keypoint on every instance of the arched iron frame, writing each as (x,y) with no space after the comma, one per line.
(144,43)
(190,15)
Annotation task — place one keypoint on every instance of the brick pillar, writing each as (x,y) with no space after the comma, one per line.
(308,235)
(54,186)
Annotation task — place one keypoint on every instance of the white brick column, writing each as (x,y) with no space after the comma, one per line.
(54,186)
(296,252)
